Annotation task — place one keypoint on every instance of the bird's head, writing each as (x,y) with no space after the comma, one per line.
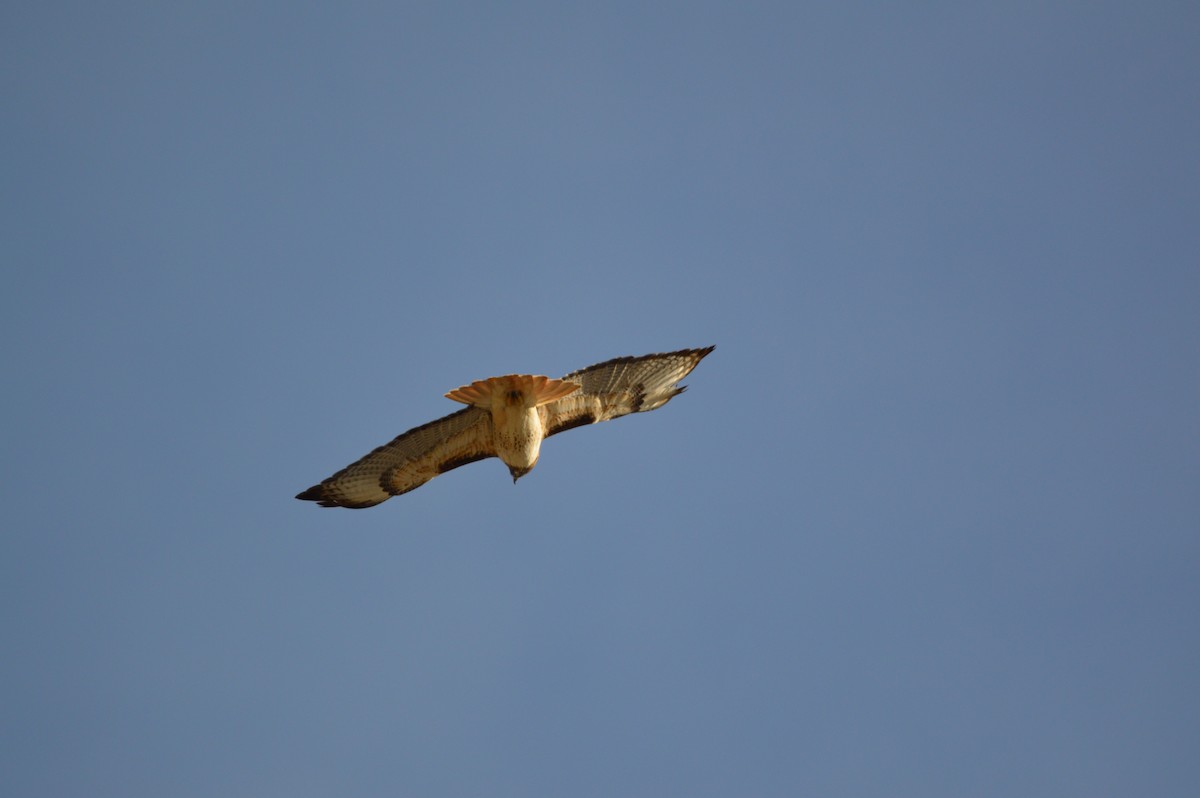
(517,473)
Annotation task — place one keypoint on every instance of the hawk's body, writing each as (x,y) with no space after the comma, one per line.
(507,417)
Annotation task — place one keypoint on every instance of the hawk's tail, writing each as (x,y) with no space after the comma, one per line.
(531,389)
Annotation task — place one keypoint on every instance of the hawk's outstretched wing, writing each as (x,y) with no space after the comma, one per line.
(409,461)
(620,386)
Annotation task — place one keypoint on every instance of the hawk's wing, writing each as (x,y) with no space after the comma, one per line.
(620,386)
(409,461)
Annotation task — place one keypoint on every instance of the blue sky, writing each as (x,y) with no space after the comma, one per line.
(926,523)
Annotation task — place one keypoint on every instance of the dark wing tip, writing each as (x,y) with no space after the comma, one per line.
(318,494)
(314,494)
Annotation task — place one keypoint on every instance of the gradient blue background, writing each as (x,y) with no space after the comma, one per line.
(926,524)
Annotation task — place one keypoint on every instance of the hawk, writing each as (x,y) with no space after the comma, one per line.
(507,417)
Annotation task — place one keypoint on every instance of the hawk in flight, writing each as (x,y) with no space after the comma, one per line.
(507,417)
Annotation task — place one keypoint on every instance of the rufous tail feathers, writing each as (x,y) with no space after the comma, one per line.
(535,389)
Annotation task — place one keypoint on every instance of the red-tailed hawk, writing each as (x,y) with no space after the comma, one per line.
(507,417)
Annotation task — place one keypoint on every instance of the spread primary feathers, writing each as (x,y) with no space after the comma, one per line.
(507,417)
